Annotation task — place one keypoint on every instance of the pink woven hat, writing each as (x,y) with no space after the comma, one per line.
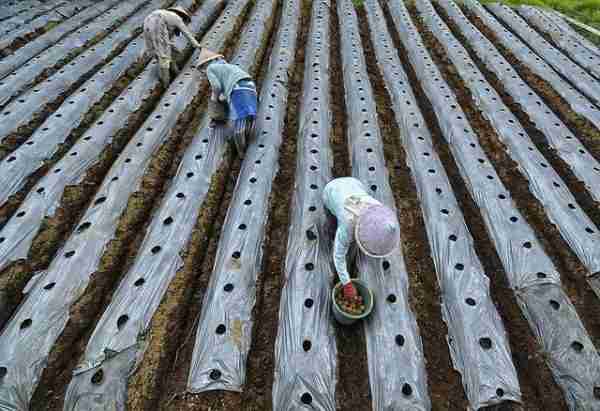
(377,231)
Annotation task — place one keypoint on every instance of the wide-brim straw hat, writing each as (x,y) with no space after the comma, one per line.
(181,12)
(377,231)
(206,56)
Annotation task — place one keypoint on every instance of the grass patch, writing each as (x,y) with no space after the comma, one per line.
(586,11)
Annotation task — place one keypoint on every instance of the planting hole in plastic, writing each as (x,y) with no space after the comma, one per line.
(485,343)
(400,340)
(49,286)
(452,237)
(215,375)
(84,227)
(391,298)
(406,389)
(577,346)
(500,392)
(309,266)
(470,302)
(306,345)
(100,200)
(3,372)
(26,324)
(122,321)
(308,303)
(306,398)
(221,329)
(228,288)
(168,221)
(236,255)
(98,377)
(69,254)
(596,389)
(139,282)
(156,249)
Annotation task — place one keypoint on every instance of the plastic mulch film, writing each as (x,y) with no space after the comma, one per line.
(569,45)
(19,232)
(521,257)
(26,28)
(18,60)
(305,349)
(225,328)
(523,53)
(397,373)
(20,110)
(117,351)
(582,80)
(21,19)
(559,25)
(477,339)
(120,338)
(546,185)
(559,137)
(29,336)
(14,9)
(46,140)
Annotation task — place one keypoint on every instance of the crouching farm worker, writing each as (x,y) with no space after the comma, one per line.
(159,28)
(233,100)
(361,219)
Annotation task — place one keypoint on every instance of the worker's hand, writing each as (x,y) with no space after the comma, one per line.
(349,291)
(222,98)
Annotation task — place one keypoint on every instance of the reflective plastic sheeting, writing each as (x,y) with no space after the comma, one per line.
(24,352)
(577,101)
(558,135)
(45,196)
(10,64)
(394,349)
(585,82)
(224,332)
(570,46)
(24,28)
(305,349)
(35,100)
(544,183)
(530,270)
(477,338)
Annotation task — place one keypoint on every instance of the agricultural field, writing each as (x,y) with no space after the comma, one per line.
(145,266)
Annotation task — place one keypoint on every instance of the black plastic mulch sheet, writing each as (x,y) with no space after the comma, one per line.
(477,338)
(305,349)
(552,316)
(21,28)
(29,336)
(577,101)
(45,196)
(581,79)
(545,184)
(16,61)
(559,137)
(225,328)
(570,46)
(35,100)
(394,349)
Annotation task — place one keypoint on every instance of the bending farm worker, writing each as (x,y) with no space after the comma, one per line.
(159,28)
(233,101)
(361,219)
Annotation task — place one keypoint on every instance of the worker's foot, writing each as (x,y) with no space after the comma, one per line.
(165,76)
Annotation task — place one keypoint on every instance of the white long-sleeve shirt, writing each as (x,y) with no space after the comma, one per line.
(345,197)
